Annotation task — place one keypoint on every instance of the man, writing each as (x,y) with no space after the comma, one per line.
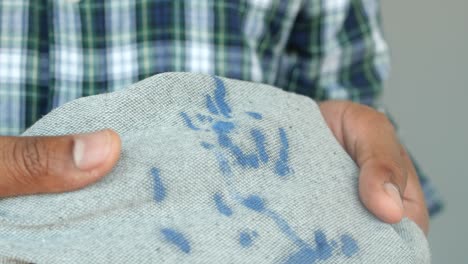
(55,51)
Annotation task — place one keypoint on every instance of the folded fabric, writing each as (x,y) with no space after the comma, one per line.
(212,170)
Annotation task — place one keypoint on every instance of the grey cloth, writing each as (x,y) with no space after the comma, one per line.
(212,170)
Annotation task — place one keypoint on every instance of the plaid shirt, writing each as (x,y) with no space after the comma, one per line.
(54,51)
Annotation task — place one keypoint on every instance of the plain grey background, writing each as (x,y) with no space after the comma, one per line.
(428,96)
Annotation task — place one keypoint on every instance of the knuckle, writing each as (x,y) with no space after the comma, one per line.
(395,170)
(369,117)
(383,120)
(31,157)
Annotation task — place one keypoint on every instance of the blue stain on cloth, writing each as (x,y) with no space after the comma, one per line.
(307,254)
(159,191)
(176,238)
(323,247)
(206,145)
(259,138)
(222,207)
(281,166)
(211,105)
(254,202)
(349,246)
(243,159)
(255,115)
(223,129)
(188,121)
(220,97)
(246,238)
(204,118)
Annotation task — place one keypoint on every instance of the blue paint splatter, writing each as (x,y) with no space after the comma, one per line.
(204,118)
(223,165)
(349,246)
(245,160)
(206,145)
(177,239)
(159,191)
(211,106)
(286,229)
(225,168)
(188,121)
(224,141)
(324,249)
(246,238)
(201,117)
(254,202)
(304,255)
(281,166)
(222,207)
(260,143)
(307,254)
(222,127)
(255,115)
(220,94)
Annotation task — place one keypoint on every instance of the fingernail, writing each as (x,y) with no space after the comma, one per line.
(91,150)
(394,193)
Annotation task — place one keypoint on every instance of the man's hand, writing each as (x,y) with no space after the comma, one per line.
(388,184)
(30,165)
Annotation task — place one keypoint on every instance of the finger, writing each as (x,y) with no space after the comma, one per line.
(30,165)
(369,138)
(413,197)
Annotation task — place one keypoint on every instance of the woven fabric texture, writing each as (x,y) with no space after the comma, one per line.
(212,170)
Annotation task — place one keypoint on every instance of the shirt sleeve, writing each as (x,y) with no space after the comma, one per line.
(336,50)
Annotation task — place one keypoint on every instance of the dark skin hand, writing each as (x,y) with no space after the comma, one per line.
(388,184)
(32,165)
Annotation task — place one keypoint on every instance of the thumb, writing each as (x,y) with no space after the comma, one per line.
(30,165)
(370,139)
